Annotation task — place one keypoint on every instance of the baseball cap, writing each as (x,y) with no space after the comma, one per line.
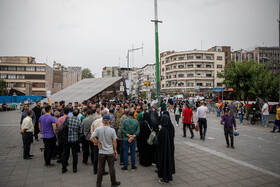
(106,118)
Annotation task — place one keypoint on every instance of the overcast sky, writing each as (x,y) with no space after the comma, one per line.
(98,33)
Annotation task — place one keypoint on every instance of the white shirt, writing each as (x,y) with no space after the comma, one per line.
(265,106)
(201,112)
(27,124)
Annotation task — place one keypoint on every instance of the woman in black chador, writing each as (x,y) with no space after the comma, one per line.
(165,150)
(146,151)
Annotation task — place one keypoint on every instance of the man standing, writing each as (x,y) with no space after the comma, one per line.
(130,129)
(74,128)
(277,120)
(37,111)
(104,107)
(27,135)
(265,113)
(119,114)
(120,135)
(137,112)
(47,126)
(187,119)
(228,122)
(170,104)
(201,119)
(24,114)
(107,144)
(220,106)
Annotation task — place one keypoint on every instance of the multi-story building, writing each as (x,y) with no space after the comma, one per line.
(189,71)
(116,71)
(22,72)
(146,73)
(243,55)
(268,56)
(226,50)
(70,76)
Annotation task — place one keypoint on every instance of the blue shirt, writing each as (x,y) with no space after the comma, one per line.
(46,122)
(229,120)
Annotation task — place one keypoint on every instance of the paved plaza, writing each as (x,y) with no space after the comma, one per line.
(253,162)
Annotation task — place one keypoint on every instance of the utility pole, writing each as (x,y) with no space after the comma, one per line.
(156,21)
(279,50)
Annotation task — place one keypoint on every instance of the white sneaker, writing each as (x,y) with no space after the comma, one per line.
(177,125)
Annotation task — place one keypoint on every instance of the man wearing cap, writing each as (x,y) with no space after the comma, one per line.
(106,139)
(228,122)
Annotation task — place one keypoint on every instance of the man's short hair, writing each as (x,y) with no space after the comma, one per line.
(103,112)
(55,102)
(89,112)
(76,102)
(76,112)
(131,113)
(37,101)
(70,103)
(29,112)
(66,110)
(104,104)
(26,104)
(47,108)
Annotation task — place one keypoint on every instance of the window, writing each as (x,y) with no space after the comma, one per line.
(30,68)
(19,84)
(181,75)
(219,58)
(190,84)
(198,84)
(3,76)
(39,85)
(174,67)
(162,85)
(11,76)
(3,68)
(219,66)
(208,66)
(190,75)
(190,66)
(40,68)
(34,76)
(219,84)
(12,68)
(180,58)
(209,75)
(181,66)
(20,68)
(198,66)
(166,77)
(208,84)
(11,84)
(180,84)
(208,57)
(20,76)
(198,74)
(162,62)
(162,69)
(190,57)
(198,57)
(174,59)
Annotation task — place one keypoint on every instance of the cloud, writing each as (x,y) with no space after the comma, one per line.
(64,26)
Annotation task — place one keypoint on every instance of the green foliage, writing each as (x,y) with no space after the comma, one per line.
(86,73)
(251,80)
(3,88)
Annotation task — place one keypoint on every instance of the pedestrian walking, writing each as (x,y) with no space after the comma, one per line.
(229,123)
(187,120)
(106,139)
(37,111)
(27,130)
(265,114)
(201,119)
(277,120)
(177,112)
(241,112)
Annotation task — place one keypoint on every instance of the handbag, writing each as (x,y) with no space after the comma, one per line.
(192,126)
(152,140)
(197,127)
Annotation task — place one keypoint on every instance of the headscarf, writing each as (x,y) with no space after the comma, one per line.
(166,123)
(147,118)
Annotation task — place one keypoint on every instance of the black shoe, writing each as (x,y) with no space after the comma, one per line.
(272,131)
(98,185)
(227,146)
(74,170)
(49,165)
(115,184)
(27,158)
(95,172)
(232,147)
(105,173)
(85,163)
(36,140)
(184,136)
(64,171)
(163,181)
(30,155)
(124,169)
(115,159)
(134,168)
(191,137)
(278,131)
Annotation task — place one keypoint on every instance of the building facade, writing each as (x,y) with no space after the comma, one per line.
(243,55)
(226,50)
(116,71)
(146,73)
(191,71)
(24,74)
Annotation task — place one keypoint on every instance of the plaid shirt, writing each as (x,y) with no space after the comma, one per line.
(74,129)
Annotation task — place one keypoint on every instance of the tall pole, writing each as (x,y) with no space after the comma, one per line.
(157,51)
(279,49)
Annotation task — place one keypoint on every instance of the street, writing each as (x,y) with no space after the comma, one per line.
(253,162)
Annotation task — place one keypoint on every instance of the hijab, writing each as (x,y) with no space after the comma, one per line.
(166,123)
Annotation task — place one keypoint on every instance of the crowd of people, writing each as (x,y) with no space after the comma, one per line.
(104,132)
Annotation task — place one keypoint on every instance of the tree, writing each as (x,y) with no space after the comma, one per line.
(250,80)
(3,87)
(86,73)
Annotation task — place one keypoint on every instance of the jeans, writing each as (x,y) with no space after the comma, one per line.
(276,123)
(27,139)
(202,124)
(190,128)
(49,147)
(66,153)
(131,146)
(241,117)
(265,120)
(218,112)
(88,149)
(102,158)
(177,118)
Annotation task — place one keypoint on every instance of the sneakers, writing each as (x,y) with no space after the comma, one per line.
(191,137)
(177,125)
(49,165)
(124,169)
(64,171)
(133,168)
(115,184)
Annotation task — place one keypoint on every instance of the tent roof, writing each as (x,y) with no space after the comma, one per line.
(83,90)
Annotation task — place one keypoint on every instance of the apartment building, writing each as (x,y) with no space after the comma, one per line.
(226,50)
(189,71)
(24,74)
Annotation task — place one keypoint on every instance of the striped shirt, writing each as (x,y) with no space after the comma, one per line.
(74,129)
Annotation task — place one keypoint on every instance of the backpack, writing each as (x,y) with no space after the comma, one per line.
(152,140)
(62,132)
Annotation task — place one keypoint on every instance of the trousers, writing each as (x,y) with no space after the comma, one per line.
(102,158)
(202,127)
(27,139)
(49,147)
(66,153)
(188,126)
(229,133)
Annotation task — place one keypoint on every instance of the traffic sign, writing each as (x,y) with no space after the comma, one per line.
(121,88)
(218,90)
